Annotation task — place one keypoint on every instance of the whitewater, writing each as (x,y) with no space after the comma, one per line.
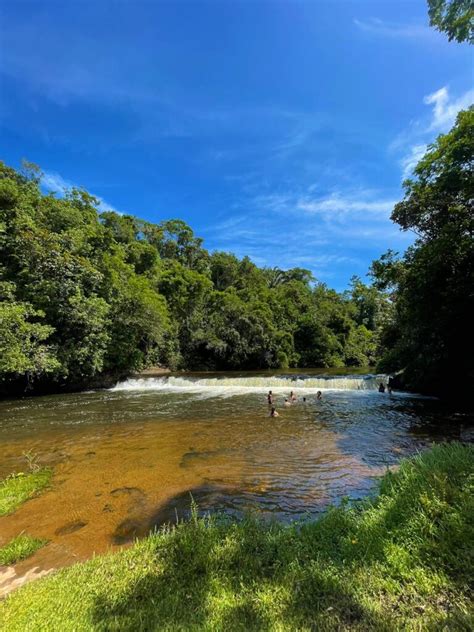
(260,384)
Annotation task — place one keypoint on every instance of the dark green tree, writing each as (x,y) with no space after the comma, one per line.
(430,335)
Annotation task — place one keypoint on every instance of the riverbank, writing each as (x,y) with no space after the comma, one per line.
(403,560)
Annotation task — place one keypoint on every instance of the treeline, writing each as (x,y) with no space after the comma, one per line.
(85,294)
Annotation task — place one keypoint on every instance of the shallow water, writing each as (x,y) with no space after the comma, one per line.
(127,459)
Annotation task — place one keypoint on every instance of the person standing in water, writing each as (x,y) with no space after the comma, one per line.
(270,398)
(287,403)
(273,412)
(381,387)
(319,395)
(292,397)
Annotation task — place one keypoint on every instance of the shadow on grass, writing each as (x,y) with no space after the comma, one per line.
(229,575)
(399,562)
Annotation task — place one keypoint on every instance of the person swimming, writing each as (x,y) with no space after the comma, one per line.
(287,403)
(319,395)
(270,398)
(273,412)
(381,387)
(304,400)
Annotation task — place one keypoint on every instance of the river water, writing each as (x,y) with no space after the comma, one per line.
(128,459)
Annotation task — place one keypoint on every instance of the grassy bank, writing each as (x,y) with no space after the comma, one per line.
(18,488)
(402,561)
(19,548)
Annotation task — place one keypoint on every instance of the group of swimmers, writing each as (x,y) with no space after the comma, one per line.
(289,401)
(292,399)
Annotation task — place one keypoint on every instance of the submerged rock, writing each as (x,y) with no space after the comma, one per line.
(70,527)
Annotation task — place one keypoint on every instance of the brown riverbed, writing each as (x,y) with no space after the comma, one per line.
(126,461)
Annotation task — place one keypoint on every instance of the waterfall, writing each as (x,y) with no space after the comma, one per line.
(236,385)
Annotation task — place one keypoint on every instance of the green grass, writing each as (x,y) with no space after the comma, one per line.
(403,561)
(19,548)
(17,488)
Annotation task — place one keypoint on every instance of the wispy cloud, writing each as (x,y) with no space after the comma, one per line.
(445,109)
(379,27)
(411,159)
(331,234)
(337,204)
(55,183)
(412,143)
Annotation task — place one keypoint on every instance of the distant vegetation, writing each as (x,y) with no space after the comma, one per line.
(400,562)
(85,294)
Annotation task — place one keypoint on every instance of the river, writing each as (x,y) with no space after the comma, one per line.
(128,459)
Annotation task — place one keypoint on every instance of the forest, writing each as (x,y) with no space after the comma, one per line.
(85,293)
(86,297)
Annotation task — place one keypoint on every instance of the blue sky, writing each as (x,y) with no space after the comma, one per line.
(278,130)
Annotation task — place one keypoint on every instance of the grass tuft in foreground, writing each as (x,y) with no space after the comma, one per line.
(18,488)
(19,548)
(403,561)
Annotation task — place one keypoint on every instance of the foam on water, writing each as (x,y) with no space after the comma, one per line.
(241,385)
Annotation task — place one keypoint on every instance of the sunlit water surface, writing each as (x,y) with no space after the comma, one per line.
(128,459)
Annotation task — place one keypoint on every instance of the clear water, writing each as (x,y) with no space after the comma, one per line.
(128,459)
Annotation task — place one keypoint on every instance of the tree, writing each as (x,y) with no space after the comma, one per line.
(430,335)
(453,17)
(89,295)
(176,240)
(224,270)
(24,349)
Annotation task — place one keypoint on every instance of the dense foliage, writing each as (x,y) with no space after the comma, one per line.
(453,17)
(430,335)
(400,562)
(84,294)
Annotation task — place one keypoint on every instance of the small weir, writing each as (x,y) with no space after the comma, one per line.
(257,384)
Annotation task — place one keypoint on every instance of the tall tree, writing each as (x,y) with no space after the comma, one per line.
(431,334)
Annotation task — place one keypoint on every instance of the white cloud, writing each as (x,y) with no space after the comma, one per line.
(337,204)
(393,29)
(445,109)
(55,183)
(411,159)
(413,142)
